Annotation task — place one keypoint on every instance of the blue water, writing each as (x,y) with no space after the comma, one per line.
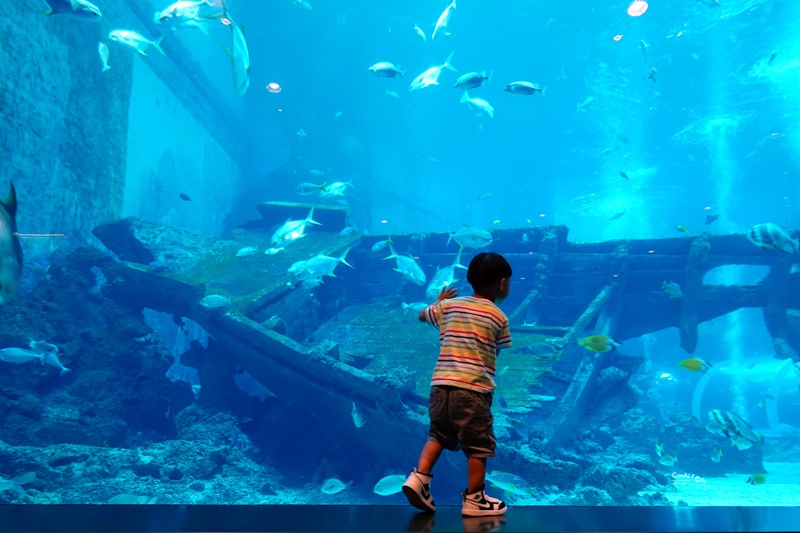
(646,124)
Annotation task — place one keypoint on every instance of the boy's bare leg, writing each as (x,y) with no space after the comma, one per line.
(476,473)
(430,454)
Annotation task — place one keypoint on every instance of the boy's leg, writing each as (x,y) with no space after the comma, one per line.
(430,454)
(476,474)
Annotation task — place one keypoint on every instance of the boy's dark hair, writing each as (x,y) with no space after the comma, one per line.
(486,269)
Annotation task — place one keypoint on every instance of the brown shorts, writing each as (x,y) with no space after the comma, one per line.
(462,419)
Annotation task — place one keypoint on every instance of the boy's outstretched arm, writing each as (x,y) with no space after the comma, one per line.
(447,293)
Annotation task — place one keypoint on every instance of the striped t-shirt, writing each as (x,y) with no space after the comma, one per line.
(471,332)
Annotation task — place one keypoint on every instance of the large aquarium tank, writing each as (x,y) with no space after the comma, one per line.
(221,220)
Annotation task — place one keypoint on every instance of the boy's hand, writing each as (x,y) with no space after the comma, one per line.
(447,293)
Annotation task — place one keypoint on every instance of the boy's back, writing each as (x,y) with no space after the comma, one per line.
(471,332)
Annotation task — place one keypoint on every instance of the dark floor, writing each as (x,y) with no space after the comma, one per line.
(302,518)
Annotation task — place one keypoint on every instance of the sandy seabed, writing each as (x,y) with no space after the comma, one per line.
(781,488)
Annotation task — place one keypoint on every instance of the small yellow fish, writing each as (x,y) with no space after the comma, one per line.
(761,404)
(695,364)
(717,455)
(599,343)
(681,229)
(496,222)
(757,479)
(660,449)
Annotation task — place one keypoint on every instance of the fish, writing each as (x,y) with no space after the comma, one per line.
(417,307)
(187,14)
(618,214)
(659,449)
(643,46)
(444,19)
(42,347)
(757,479)
(79,9)
(384,69)
(444,277)
(716,455)
(392,94)
(772,57)
(471,238)
(240,58)
(215,302)
(586,104)
(185,197)
(389,485)
(309,188)
(292,230)
(525,238)
(539,348)
(247,251)
(19,356)
(761,404)
(408,267)
(102,50)
(431,76)
(767,396)
(730,425)
(772,236)
(358,416)
(599,343)
(668,460)
(421,33)
(741,444)
(478,103)
(318,266)
(509,483)
(301,133)
(653,74)
(681,229)
(671,288)
(610,150)
(348,230)
(380,245)
(16,483)
(272,251)
(11,261)
(623,175)
(524,88)
(334,486)
(473,80)
(667,377)
(337,188)
(711,218)
(138,42)
(695,364)
(52,359)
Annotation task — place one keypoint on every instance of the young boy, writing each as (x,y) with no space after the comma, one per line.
(472,330)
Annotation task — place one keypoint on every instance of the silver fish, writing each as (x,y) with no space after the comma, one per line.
(79,9)
(524,87)
(102,49)
(478,104)
(431,76)
(240,58)
(471,238)
(444,19)
(473,80)
(10,250)
(408,267)
(136,41)
(384,69)
(292,230)
(19,356)
(444,278)
(358,416)
(773,236)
